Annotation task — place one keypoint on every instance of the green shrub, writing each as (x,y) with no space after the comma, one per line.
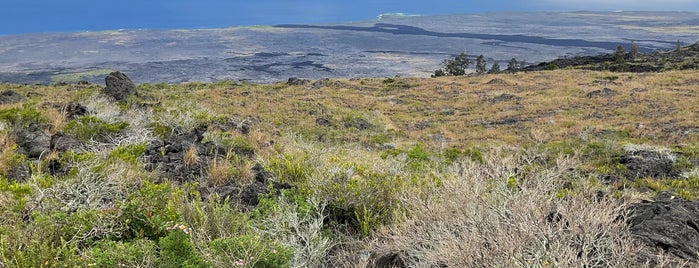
(22,118)
(147,212)
(250,251)
(290,168)
(136,253)
(88,128)
(176,250)
(128,153)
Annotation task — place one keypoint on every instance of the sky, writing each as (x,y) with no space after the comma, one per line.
(32,16)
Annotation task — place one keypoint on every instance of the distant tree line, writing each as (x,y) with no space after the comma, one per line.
(459,64)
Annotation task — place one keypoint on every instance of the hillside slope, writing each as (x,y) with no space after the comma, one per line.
(563,168)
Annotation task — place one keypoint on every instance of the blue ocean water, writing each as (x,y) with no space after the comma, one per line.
(28,16)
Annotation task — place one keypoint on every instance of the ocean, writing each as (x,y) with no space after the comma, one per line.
(31,16)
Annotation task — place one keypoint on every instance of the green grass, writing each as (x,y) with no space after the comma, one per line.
(76,77)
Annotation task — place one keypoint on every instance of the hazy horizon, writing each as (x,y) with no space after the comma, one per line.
(39,16)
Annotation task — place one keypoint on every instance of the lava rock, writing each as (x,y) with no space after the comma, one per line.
(9,96)
(32,141)
(20,172)
(295,81)
(668,223)
(323,122)
(119,86)
(390,259)
(504,98)
(605,92)
(645,163)
(62,143)
(358,123)
(74,110)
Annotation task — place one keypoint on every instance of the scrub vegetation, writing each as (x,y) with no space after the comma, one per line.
(527,169)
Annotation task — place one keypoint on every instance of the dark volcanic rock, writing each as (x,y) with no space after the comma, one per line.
(324,122)
(20,172)
(9,96)
(119,86)
(505,97)
(74,110)
(605,92)
(390,259)
(32,141)
(295,81)
(669,223)
(169,156)
(62,143)
(643,163)
(358,123)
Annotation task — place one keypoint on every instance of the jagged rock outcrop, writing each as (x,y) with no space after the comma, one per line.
(649,163)
(119,86)
(669,223)
(32,141)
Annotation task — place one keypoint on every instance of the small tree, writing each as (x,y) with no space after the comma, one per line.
(678,46)
(620,58)
(522,65)
(620,55)
(457,66)
(495,68)
(480,64)
(634,51)
(512,65)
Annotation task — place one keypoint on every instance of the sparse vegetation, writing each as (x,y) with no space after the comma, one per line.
(523,169)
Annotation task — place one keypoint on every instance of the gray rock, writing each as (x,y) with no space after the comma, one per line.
(9,96)
(20,172)
(390,259)
(32,141)
(63,143)
(669,224)
(605,92)
(295,81)
(119,86)
(74,110)
(648,163)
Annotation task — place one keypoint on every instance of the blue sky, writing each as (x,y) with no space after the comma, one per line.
(28,16)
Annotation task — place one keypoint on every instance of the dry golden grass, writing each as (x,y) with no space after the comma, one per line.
(190,157)
(652,108)
(7,150)
(218,172)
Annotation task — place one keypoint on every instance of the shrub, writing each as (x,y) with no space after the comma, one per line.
(87,128)
(128,153)
(176,250)
(22,118)
(136,253)
(147,212)
(249,251)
